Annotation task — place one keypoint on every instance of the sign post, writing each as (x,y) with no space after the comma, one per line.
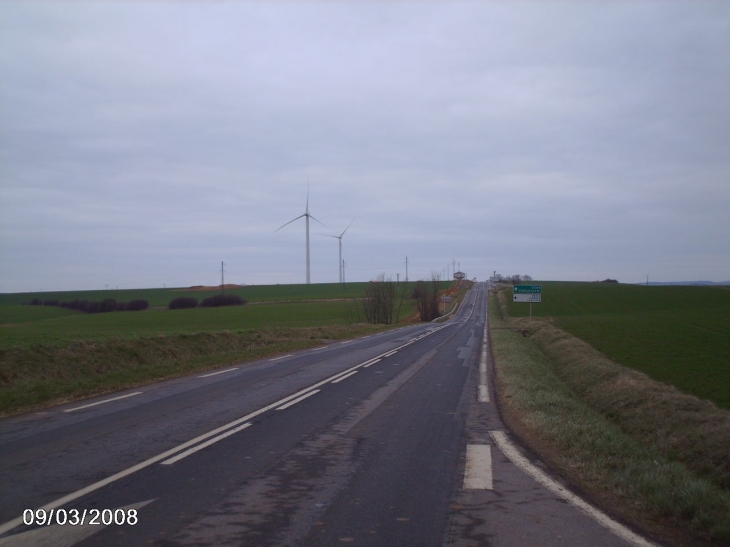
(527,293)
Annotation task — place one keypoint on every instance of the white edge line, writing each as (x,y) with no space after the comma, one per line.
(298,400)
(509,450)
(219,372)
(282,357)
(483,394)
(371,363)
(207,443)
(104,401)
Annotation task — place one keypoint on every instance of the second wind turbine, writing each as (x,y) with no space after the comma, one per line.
(342,269)
(307,216)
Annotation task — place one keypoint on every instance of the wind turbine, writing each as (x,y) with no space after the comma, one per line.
(340,238)
(307,216)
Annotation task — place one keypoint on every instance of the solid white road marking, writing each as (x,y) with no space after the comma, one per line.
(478,472)
(165,455)
(282,357)
(343,377)
(391,353)
(219,372)
(483,385)
(104,401)
(509,450)
(207,443)
(298,400)
(61,536)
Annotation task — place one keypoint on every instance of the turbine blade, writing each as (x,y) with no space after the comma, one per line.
(310,216)
(280,227)
(348,227)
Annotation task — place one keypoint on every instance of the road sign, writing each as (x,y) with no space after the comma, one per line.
(527,293)
(527,298)
(528,289)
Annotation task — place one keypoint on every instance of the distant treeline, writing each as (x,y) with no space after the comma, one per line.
(211,302)
(89,306)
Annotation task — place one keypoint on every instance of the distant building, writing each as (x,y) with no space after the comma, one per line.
(459,275)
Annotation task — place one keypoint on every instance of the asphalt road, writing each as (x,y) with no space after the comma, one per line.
(388,440)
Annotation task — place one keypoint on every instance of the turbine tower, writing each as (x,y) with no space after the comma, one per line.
(340,238)
(307,216)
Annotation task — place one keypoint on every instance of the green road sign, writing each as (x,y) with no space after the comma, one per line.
(528,289)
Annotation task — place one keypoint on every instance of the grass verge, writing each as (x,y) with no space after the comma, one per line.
(44,375)
(641,448)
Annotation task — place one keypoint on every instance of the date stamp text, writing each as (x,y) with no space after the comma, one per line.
(79,517)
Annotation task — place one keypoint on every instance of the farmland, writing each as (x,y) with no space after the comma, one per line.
(679,335)
(50,354)
(161,297)
(624,390)
(270,306)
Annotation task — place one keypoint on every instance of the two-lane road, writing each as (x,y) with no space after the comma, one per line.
(383,440)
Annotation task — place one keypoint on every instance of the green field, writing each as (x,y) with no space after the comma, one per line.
(50,354)
(82,326)
(161,297)
(324,304)
(679,335)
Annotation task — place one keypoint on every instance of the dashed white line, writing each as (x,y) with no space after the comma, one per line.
(345,376)
(103,402)
(297,400)
(230,428)
(478,472)
(219,372)
(207,443)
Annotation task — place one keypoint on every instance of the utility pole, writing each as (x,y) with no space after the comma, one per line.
(406,269)
(222,284)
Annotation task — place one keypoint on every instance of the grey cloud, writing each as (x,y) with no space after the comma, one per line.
(526,137)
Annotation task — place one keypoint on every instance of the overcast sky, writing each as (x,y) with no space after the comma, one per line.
(142,143)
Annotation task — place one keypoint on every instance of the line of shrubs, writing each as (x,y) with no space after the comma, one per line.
(185,302)
(89,306)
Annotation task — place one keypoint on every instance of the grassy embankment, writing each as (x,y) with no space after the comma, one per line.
(647,450)
(50,354)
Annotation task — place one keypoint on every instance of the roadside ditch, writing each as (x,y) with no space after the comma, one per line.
(638,448)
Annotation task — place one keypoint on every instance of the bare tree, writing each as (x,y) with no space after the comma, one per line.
(426,295)
(379,301)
